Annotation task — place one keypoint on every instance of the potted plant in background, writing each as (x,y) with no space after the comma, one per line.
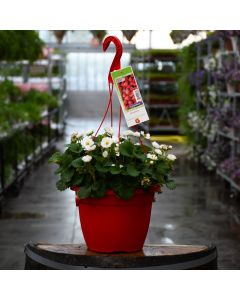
(18,45)
(59,35)
(114,180)
(98,35)
(129,34)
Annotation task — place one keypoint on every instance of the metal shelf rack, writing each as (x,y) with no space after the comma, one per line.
(43,133)
(156,72)
(205,52)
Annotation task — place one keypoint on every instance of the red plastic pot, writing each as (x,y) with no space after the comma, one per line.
(111,224)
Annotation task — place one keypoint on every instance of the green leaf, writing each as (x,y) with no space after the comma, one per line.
(100,168)
(61,185)
(147,171)
(59,170)
(124,187)
(171,184)
(132,171)
(75,148)
(77,179)
(76,163)
(126,149)
(108,163)
(125,193)
(115,170)
(67,174)
(139,155)
(56,158)
(66,159)
(98,189)
(162,168)
(84,192)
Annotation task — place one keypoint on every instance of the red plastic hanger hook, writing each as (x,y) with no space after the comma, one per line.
(116,64)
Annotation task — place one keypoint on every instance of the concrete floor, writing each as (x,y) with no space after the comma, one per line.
(199,211)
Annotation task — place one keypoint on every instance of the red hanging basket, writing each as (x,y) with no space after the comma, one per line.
(111,224)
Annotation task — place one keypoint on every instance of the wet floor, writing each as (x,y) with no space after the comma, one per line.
(200,211)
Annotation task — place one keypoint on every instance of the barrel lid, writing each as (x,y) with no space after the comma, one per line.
(72,256)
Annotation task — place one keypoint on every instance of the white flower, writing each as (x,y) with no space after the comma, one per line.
(91,148)
(156,145)
(147,136)
(158,151)
(171,157)
(120,166)
(151,162)
(128,132)
(113,165)
(75,133)
(87,143)
(87,158)
(74,137)
(137,134)
(106,142)
(166,147)
(163,147)
(137,144)
(117,150)
(109,130)
(142,133)
(105,154)
(152,156)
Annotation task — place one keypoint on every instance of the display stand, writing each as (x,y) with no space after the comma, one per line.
(153,257)
(47,74)
(223,53)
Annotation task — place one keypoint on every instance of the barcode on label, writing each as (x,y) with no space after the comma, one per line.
(137,95)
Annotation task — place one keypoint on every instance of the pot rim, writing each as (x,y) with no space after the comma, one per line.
(154,188)
(140,197)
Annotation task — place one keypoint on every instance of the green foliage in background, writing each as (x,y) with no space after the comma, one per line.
(187,93)
(18,107)
(19,145)
(20,45)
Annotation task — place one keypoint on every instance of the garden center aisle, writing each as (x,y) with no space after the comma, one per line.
(198,211)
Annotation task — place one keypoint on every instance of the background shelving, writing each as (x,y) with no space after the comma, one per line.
(157,73)
(33,103)
(211,104)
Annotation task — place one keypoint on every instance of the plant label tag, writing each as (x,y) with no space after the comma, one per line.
(129,96)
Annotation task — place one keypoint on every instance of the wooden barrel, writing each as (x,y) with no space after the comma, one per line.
(159,257)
